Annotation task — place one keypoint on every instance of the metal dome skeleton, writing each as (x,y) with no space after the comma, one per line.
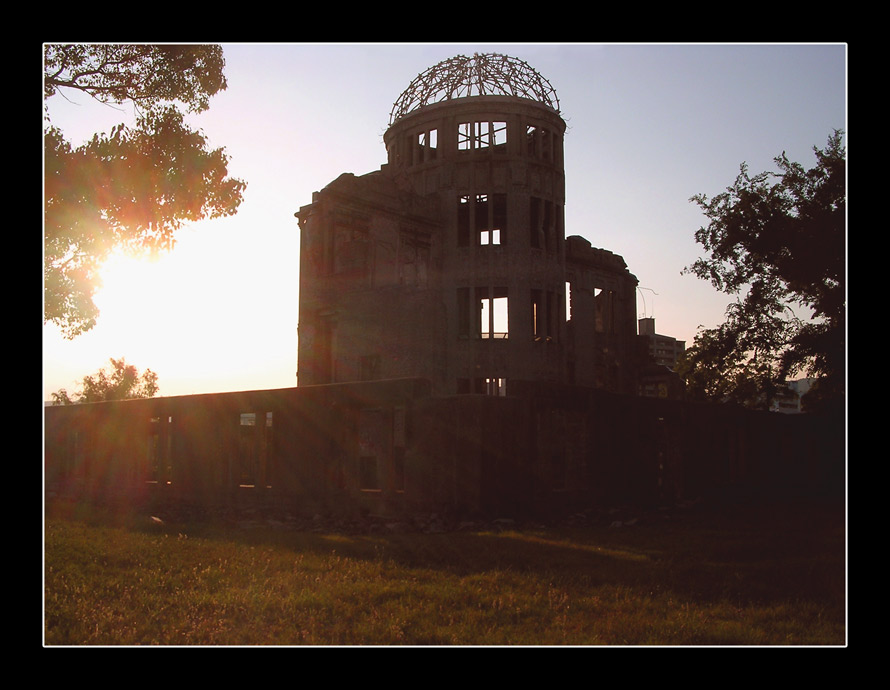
(489,74)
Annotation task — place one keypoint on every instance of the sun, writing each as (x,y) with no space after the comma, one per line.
(215,313)
(169,313)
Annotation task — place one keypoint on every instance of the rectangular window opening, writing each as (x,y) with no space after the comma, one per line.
(492,312)
(487,237)
(545,311)
(481,135)
(463,221)
(604,308)
(491,218)
(552,301)
(465,136)
(492,134)
(427,142)
(531,134)
(481,212)
(424,147)
(568,301)
(493,386)
(539,143)
(537,309)
(499,134)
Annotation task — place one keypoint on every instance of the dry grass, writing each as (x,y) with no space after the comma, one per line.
(752,577)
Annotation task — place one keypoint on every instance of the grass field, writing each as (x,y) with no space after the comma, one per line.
(745,576)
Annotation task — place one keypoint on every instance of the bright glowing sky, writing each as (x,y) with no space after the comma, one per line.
(648,127)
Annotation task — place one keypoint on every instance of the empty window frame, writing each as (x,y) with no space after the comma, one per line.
(482,386)
(482,312)
(483,217)
(422,147)
(481,135)
(538,318)
(553,310)
(490,219)
(492,315)
(464,203)
(539,143)
(495,386)
(568,301)
(490,386)
(544,313)
(604,310)
(484,232)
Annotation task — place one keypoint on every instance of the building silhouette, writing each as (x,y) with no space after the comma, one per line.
(451,262)
(447,273)
(664,350)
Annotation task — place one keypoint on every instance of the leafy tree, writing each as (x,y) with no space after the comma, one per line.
(777,241)
(134,187)
(121,383)
(144,74)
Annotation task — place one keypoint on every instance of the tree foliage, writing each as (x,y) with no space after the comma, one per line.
(123,382)
(147,75)
(777,241)
(134,187)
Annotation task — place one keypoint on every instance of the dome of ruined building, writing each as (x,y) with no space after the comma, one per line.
(489,74)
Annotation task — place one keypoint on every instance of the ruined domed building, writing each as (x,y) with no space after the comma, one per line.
(446,273)
(451,262)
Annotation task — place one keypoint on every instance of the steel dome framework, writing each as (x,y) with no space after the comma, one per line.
(489,74)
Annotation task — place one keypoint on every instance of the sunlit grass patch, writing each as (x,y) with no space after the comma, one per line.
(682,585)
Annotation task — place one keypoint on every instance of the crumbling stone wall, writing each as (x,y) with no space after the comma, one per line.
(389,447)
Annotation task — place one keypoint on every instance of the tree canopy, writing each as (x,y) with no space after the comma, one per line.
(123,382)
(777,241)
(147,75)
(134,187)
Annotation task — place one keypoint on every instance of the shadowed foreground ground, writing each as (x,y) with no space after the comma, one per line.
(745,575)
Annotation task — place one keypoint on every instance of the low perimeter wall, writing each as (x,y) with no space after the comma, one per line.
(389,447)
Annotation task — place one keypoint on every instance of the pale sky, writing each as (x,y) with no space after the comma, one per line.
(649,126)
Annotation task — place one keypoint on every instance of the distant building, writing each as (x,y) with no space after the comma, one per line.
(788,399)
(663,349)
(657,378)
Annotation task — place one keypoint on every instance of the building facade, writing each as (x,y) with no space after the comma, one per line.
(663,349)
(443,274)
(451,262)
